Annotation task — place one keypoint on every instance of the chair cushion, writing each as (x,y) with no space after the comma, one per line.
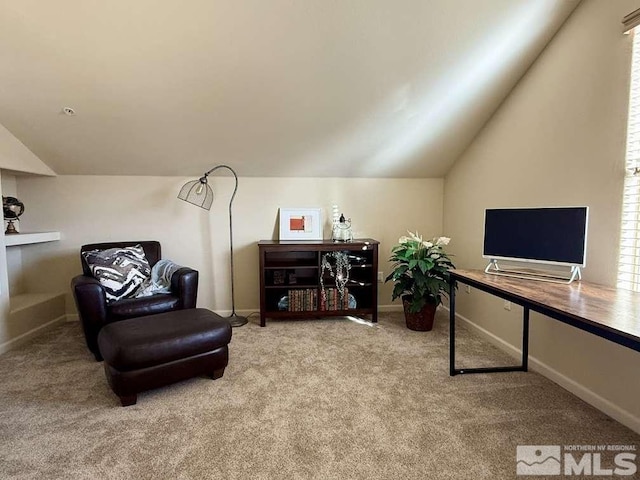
(156,339)
(139,307)
(120,271)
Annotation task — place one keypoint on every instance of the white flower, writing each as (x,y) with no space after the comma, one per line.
(427,244)
(403,239)
(415,237)
(443,241)
(435,255)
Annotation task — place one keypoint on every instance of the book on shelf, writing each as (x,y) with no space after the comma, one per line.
(331,300)
(303,300)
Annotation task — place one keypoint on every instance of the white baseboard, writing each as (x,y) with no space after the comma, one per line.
(389,308)
(25,337)
(614,411)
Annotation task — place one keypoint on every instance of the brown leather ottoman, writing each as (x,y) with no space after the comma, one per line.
(150,352)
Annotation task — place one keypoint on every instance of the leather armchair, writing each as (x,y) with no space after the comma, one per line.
(92,304)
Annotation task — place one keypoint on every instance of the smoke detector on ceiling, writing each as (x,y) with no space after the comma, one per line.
(69,111)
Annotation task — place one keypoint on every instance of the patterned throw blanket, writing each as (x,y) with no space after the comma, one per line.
(160,279)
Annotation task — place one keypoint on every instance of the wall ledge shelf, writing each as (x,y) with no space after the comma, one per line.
(25,301)
(29,238)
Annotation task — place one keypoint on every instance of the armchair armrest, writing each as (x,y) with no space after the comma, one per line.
(91,302)
(184,284)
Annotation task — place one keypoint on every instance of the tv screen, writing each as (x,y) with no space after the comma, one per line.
(546,235)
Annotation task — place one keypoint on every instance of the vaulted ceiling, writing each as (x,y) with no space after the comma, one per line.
(351,88)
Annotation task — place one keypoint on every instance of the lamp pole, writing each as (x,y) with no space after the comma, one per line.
(186,194)
(235,319)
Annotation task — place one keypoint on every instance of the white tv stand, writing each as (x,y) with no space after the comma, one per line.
(533,274)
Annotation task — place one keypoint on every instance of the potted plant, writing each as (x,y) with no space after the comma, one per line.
(420,274)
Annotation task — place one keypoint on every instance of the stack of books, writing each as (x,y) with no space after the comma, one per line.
(303,300)
(330,299)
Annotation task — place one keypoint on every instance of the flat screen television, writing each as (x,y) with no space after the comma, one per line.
(553,235)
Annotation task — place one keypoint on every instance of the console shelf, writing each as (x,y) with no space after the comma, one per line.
(296,279)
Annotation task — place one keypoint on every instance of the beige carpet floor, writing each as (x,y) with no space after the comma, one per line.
(323,399)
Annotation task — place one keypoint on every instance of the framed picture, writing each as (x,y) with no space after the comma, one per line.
(300,224)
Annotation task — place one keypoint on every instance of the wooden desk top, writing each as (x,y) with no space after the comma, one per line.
(603,309)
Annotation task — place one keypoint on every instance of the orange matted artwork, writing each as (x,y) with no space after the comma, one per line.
(296,224)
(300,224)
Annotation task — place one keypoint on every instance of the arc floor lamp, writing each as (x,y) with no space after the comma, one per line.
(199,193)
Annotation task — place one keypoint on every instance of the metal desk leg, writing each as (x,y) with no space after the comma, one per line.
(452,327)
(452,340)
(525,339)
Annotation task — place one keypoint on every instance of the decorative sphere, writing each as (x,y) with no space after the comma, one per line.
(12,208)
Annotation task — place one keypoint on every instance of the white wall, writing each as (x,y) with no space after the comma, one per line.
(16,157)
(88,209)
(558,139)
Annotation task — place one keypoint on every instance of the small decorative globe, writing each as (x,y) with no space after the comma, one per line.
(12,208)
